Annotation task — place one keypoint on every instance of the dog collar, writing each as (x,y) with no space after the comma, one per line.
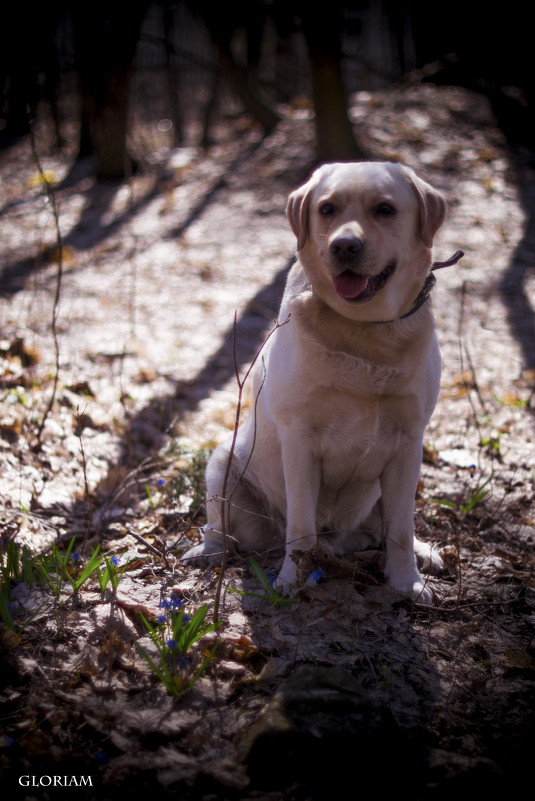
(430,282)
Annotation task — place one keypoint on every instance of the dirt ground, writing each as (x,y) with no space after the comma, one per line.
(351,685)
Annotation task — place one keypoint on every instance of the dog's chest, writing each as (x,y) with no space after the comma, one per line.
(352,413)
(344,373)
(352,433)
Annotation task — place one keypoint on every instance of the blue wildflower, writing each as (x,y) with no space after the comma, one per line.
(75,557)
(101,758)
(115,560)
(171,644)
(161,482)
(161,618)
(317,574)
(271,576)
(185,618)
(172,603)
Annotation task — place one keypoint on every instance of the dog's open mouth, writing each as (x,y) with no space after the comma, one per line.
(358,288)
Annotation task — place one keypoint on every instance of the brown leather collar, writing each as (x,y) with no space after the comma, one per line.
(430,282)
(424,292)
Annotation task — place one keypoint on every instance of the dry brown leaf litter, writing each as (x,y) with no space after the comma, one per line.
(154,271)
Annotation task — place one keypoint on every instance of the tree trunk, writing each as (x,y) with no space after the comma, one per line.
(252,103)
(105,45)
(335,140)
(221,23)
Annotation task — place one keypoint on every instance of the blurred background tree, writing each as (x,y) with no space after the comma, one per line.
(188,63)
(105,36)
(335,140)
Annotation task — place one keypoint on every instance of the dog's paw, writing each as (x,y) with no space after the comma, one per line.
(418,591)
(287,577)
(413,585)
(421,593)
(429,560)
(209,553)
(201,556)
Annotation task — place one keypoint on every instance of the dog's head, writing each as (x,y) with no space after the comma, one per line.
(364,236)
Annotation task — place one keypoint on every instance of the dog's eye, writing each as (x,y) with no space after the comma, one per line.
(385,210)
(326,209)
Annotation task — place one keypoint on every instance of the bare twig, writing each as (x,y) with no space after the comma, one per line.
(86,483)
(463,347)
(226,499)
(59,275)
(147,545)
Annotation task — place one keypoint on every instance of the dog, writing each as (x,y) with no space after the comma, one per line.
(343,389)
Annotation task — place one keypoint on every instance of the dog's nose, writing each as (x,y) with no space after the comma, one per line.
(346,247)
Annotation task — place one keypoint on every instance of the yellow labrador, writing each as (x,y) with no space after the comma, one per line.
(344,389)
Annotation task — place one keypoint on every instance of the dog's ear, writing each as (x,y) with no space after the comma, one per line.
(299,204)
(432,207)
(297,211)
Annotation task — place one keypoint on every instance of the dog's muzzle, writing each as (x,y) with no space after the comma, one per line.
(346,250)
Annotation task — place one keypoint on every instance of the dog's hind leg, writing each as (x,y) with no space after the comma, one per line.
(236,517)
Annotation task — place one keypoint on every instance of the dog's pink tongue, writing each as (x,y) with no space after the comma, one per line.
(349,285)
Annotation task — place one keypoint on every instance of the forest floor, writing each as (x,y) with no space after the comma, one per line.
(351,684)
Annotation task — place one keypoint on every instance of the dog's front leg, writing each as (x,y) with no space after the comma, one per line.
(302,477)
(399,482)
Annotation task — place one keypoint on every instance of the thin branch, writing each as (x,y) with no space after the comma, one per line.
(59,275)
(86,483)
(475,384)
(147,545)
(225,515)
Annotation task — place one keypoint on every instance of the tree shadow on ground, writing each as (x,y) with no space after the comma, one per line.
(517,123)
(513,291)
(147,430)
(238,348)
(91,228)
